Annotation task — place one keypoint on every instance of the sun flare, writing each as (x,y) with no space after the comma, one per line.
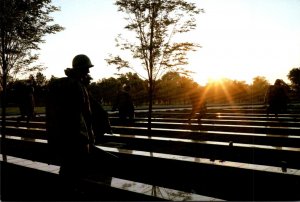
(204,80)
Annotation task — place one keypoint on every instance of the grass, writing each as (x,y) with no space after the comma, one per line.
(16,111)
(41,110)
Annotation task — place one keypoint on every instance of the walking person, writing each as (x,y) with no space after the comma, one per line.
(25,100)
(276,98)
(71,139)
(124,103)
(198,103)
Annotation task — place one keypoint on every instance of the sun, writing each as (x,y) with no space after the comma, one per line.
(203,79)
(216,79)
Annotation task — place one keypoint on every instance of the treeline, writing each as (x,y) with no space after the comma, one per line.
(171,89)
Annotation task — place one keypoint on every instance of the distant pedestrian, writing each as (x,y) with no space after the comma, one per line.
(124,103)
(276,98)
(198,102)
(25,99)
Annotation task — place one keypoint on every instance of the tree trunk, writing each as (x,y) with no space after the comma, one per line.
(151,66)
(3,96)
(150,94)
(3,114)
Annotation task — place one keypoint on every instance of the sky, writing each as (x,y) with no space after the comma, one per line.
(240,39)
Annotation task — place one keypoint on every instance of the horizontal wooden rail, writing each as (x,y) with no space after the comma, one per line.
(261,155)
(273,123)
(221,136)
(221,127)
(247,153)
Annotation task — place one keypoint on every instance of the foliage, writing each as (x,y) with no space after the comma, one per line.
(172,89)
(137,87)
(154,23)
(106,90)
(40,79)
(259,88)
(38,82)
(294,77)
(24,23)
(227,91)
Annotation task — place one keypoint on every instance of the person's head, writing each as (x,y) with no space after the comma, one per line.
(81,65)
(278,82)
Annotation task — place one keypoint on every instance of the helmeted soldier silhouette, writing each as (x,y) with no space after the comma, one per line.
(69,125)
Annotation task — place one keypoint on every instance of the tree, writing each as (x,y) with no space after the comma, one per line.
(259,88)
(23,23)
(186,85)
(294,77)
(137,87)
(169,87)
(107,89)
(154,24)
(40,79)
(40,92)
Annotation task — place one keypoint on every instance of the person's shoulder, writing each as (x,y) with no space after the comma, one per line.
(63,81)
(272,87)
(57,82)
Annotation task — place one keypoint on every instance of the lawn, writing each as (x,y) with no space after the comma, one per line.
(41,110)
(16,111)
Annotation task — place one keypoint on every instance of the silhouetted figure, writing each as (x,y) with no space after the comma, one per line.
(25,100)
(100,120)
(198,102)
(124,104)
(69,126)
(276,98)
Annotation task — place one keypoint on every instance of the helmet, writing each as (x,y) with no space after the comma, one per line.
(81,61)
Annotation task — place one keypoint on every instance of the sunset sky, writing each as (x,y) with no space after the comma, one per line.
(240,39)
